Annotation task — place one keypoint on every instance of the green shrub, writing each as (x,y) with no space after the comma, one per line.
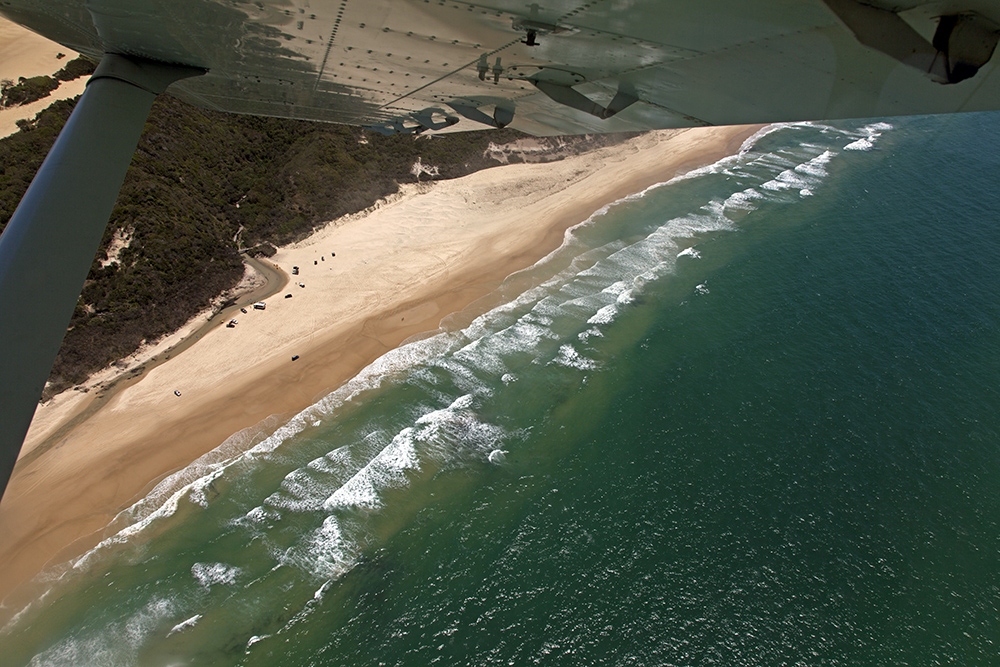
(74,69)
(26,90)
(197,178)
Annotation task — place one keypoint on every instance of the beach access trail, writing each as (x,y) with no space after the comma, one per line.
(368,283)
(58,423)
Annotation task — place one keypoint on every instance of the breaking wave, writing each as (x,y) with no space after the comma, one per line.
(307,498)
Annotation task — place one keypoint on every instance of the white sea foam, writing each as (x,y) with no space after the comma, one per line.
(260,515)
(816,167)
(587,334)
(305,489)
(785,180)
(435,434)
(605,315)
(709,218)
(184,625)
(626,297)
(616,287)
(724,166)
(568,356)
(871,134)
(329,554)
(862,144)
(321,591)
(301,489)
(801,178)
(751,142)
(589,292)
(111,645)
(193,491)
(548,324)
(360,491)
(214,574)
(193,482)
(253,640)
(498,456)
(775,162)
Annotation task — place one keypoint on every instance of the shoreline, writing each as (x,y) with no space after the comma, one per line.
(398,271)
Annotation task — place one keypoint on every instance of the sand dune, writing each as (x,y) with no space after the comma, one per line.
(23,53)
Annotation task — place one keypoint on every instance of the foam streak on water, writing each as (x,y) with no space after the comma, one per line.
(294,507)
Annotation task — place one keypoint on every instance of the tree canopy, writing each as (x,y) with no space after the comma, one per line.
(197,179)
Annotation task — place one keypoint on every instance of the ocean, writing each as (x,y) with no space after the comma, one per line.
(750,416)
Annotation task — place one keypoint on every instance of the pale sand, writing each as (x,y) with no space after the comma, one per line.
(398,270)
(23,53)
(65,91)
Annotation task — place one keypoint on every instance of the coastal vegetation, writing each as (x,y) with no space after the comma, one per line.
(28,90)
(204,187)
(25,90)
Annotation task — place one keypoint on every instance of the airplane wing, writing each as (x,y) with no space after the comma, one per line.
(406,66)
(552,67)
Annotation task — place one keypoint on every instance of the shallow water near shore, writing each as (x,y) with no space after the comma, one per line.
(747,417)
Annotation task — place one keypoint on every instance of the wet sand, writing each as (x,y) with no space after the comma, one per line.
(398,270)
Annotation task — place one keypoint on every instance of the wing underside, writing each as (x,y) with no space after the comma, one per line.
(553,67)
(405,66)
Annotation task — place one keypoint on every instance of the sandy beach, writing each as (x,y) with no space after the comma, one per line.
(399,269)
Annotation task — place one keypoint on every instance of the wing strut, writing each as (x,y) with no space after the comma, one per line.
(962,42)
(49,244)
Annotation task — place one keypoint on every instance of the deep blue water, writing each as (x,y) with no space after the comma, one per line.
(746,418)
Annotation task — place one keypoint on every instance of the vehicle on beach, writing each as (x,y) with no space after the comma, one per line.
(260,305)
(295,270)
(176,393)
(231,323)
(288,296)
(243,310)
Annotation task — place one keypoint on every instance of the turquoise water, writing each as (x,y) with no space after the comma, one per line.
(749,417)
